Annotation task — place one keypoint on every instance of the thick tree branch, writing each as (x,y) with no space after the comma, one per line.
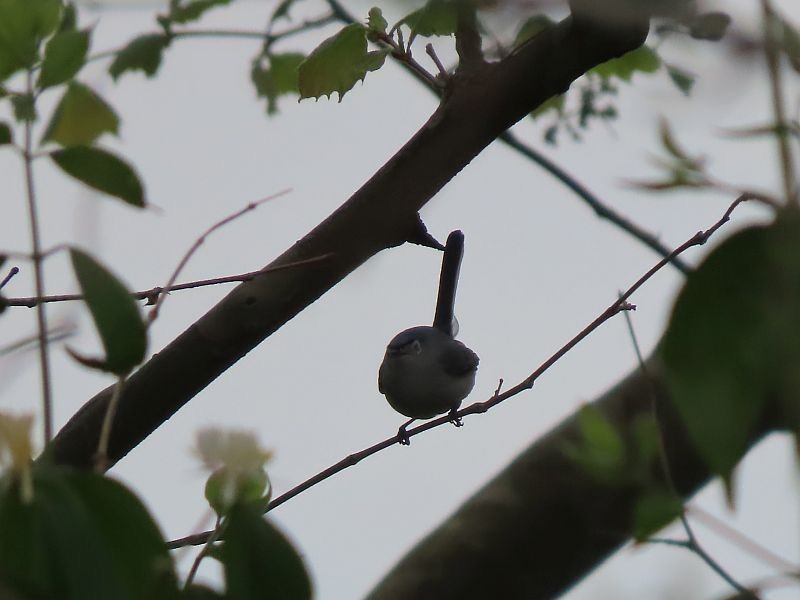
(479,106)
(543,523)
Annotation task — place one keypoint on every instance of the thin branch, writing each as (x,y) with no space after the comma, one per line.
(776,86)
(621,304)
(691,543)
(153,293)
(101,458)
(216,533)
(432,53)
(38,274)
(56,334)
(13,271)
(199,242)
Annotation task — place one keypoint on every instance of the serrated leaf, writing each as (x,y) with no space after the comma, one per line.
(733,340)
(257,557)
(683,80)
(277,79)
(709,26)
(64,56)
(6,135)
(102,171)
(338,63)
(436,18)
(23,25)
(186,12)
(654,510)
(531,27)
(80,118)
(116,315)
(375,20)
(143,53)
(38,539)
(642,60)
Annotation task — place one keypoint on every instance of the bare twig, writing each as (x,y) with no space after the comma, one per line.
(13,271)
(199,242)
(38,273)
(621,304)
(153,294)
(216,533)
(432,53)
(772,55)
(101,458)
(55,334)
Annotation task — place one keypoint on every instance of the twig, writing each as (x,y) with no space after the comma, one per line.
(432,53)
(38,273)
(691,543)
(199,242)
(619,305)
(13,271)
(152,294)
(215,535)
(773,65)
(56,334)
(101,458)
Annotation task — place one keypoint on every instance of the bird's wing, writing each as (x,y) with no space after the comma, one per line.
(457,359)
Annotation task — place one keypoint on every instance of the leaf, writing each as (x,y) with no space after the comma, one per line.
(375,20)
(790,43)
(642,60)
(338,63)
(601,451)
(64,56)
(80,118)
(554,103)
(257,557)
(669,143)
(436,18)
(281,11)
(102,171)
(654,510)
(38,552)
(116,315)
(192,10)
(6,135)
(278,79)
(143,53)
(709,26)
(683,80)
(23,25)
(733,340)
(24,107)
(69,18)
(531,27)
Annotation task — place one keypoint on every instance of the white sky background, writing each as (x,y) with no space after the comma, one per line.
(539,265)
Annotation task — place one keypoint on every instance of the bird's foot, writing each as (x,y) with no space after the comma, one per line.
(455,419)
(402,436)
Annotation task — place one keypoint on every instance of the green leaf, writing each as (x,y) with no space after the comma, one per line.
(6,135)
(338,63)
(24,107)
(601,451)
(281,11)
(23,25)
(69,18)
(733,340)
(531,27)
(143,53)
(375,20)
(555,103)
(64,56)
(102,171)
(790,43)
(80,118)
(642,60)
(436,18)
(709,26)
(186,12)
(81,536)
(277,79)
(257,557)
(683,80)
(116,315)
(654,510)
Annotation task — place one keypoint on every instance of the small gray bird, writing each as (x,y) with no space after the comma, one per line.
(426,371)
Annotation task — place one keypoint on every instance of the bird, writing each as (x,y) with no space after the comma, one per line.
(425,371)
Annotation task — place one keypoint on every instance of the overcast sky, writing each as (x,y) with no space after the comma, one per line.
(538,266)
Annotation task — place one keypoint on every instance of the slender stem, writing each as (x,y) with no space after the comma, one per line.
(772,55)
(101,458)
(38,273)
(13,271)
(215,535)
(618,306)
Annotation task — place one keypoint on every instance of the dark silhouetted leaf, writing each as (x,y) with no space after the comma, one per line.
(6,136)
(102,171)
(143,53)
(683,80)
(709,26)
(186,12)
(116,315)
